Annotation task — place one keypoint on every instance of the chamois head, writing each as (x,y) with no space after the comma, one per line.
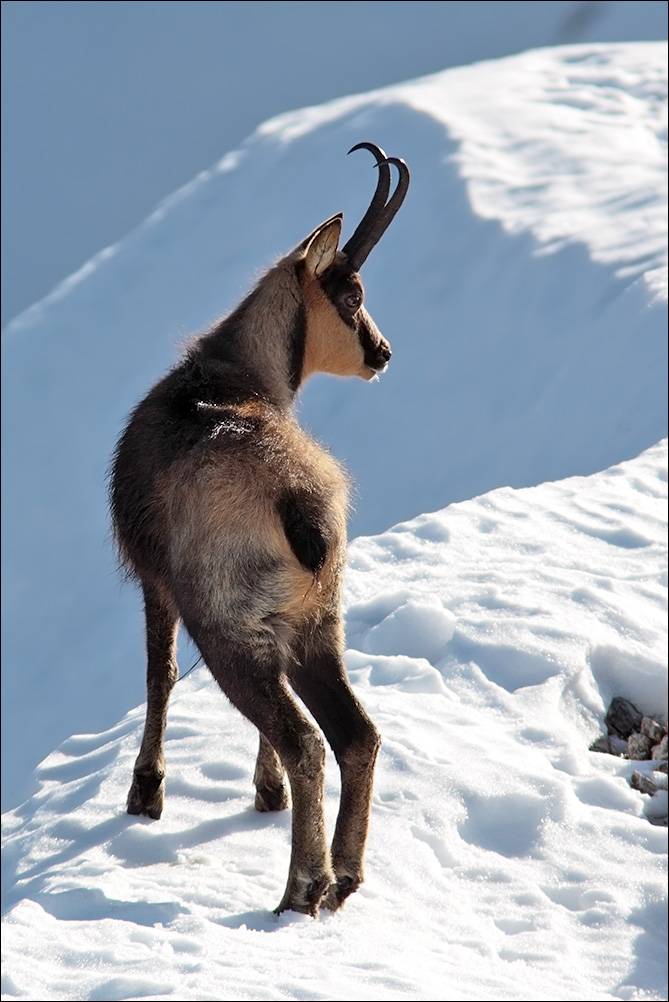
(341,338)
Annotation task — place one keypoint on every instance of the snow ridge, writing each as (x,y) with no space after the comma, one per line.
(523,290)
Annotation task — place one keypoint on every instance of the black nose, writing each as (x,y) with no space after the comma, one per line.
(384,352)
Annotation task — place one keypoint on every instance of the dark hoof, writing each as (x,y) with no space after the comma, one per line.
(147,795)
(304,896)
(272,798)
(150,812)
(339,891)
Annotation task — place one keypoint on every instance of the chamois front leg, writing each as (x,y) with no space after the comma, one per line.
(356,762)
(147,792)
(272,792)
(251,675)
(320,680)
(310,875)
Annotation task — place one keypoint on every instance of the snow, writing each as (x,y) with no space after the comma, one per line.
(523,289)
(505,860)
(130,106)
(516,361)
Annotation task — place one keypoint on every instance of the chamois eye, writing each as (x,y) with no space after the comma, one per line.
(353,300)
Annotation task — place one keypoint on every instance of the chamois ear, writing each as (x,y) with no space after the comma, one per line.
(322,246)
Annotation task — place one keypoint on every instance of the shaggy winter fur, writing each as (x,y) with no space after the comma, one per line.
(233,521)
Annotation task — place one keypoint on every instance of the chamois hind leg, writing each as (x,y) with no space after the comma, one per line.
(252,677)
(147,793)
(272,793)
(319,678)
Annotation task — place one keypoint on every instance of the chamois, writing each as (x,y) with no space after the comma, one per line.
(233,522)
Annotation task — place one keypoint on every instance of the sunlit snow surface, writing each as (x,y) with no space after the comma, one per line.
(505,860)
(523,288)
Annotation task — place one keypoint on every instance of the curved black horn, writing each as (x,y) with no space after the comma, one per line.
(377,226)
(357,245)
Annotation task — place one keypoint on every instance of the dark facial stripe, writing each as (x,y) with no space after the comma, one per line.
(297,340)
(369,344)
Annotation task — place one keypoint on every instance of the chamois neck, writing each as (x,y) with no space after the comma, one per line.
(261,344)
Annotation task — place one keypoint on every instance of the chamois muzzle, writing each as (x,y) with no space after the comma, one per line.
(381,211)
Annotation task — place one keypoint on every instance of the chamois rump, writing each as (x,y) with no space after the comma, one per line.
(233,522)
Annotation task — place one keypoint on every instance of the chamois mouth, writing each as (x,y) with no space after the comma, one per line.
(371,372)
(377,358)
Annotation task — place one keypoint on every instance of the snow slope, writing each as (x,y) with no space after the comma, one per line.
(130,106)
(522,287)
(505,861)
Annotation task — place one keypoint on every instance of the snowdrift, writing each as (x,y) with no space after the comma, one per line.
(523,290)
(505,860)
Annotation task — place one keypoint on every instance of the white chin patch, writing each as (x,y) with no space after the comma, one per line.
(372,375)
